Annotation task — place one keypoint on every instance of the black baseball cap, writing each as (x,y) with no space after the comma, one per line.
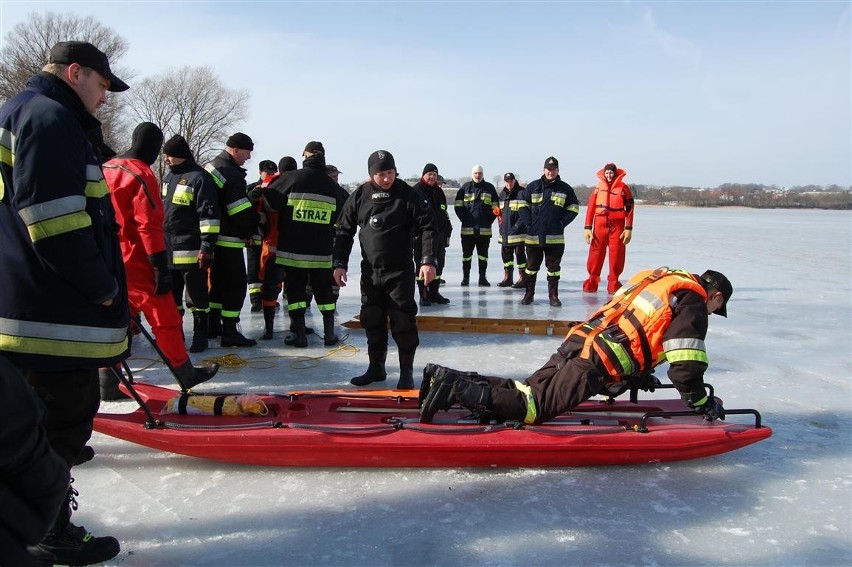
(87,55)
(551,163)
(509,177)
(718,281)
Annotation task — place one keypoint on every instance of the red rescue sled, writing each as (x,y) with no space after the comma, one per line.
(380,428)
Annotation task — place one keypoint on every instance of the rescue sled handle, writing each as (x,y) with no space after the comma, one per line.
(643,428)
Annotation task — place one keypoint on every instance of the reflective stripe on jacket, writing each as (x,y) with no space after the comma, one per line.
(60,253)
(627,333)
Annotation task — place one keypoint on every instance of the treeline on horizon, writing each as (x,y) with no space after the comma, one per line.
(752,195)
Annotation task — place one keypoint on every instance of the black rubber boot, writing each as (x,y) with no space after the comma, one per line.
(553,292)
(290,339)
(465,273)
(214,324)
(449,387)
(191,376)
(435,294)
(297,326)
(507,277)
(530,294)
(522,280)
(406,371)
(199,332)
(376,371)
(483,267)
(268,322)
(424,295)
(67,544)
(109,385)
(329,337)
(431,370)
(256,303)
(231,335)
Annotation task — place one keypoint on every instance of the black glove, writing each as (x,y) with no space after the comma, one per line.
(162,275)
(712,409)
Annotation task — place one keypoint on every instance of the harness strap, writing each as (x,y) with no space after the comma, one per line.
(600,322)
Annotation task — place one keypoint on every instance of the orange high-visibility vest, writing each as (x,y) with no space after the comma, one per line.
(627,333)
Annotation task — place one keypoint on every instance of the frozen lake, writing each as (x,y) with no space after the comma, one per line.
(785,350)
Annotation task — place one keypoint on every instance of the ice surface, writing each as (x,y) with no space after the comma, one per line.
(786,350)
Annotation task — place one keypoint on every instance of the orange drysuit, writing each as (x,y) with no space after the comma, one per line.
(608,214)
(139,213)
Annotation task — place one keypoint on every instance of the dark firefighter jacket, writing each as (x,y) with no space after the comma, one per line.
(475,208)
(545,210)
(387,220)
(192,213)
(239,219)
(510,204)
(59,253)
(309,202)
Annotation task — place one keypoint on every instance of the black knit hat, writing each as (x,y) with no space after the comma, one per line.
(287,163)
(551,162)
(267,166)
(718,282)
(611,167)
(380,160)
(314,148)
(428,168)
(176,146)
(240,141)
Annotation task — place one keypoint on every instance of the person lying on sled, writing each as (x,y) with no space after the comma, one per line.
(661,315)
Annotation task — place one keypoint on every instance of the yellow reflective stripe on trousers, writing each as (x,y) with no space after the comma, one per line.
(532,412)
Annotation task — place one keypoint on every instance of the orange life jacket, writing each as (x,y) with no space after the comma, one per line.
(627,333)
(609,200)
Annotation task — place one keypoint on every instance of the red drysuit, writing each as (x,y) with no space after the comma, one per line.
(608,214)
(139,213)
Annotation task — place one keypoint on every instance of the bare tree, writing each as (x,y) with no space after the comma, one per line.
(192,102)
(25,50)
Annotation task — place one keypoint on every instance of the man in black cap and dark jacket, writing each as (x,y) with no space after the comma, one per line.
(239,220)
(387,212)
(546,206)
(64,300)
(192,220)
(435,201)
(308,201)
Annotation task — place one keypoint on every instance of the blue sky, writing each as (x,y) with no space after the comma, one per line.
(676,93)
